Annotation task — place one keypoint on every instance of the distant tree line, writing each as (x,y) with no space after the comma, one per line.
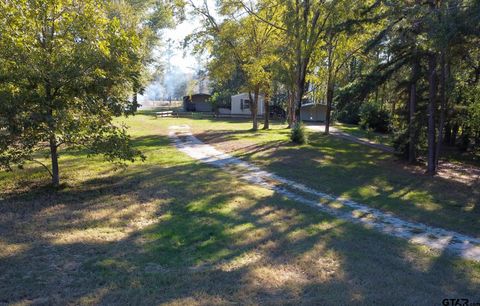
(411,68)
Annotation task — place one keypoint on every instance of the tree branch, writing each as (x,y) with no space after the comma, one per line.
(251,12)
(42,164)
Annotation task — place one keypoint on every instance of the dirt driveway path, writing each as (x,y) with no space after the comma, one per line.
(436,238)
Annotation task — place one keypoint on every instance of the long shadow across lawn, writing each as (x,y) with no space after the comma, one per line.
(367,175)
(182,232)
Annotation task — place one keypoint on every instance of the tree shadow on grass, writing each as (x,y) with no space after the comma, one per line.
(181,232)
(371,177)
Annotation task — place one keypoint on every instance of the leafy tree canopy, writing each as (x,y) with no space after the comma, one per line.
(66,69)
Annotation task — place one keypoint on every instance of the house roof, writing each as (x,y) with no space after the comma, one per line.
(245,94)
(197,95)
(313,104)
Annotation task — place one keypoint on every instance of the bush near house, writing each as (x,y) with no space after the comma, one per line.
(298,134)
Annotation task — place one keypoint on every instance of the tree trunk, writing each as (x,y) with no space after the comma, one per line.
(266,103)
(453,140)
(432,76)
(298,102)
(448,133)
(254,108)
(411,118)
(465,138)
(300,87)
(54,157)
(53,139)
(330,89)
(290,109)
(443,103)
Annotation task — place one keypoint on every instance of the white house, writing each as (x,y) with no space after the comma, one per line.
(313,112)
(241,105)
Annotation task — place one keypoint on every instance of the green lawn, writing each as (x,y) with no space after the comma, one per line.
(170,230)
(450,154)
(352,170)
(356,130)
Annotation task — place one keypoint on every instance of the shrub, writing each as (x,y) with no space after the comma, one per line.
(401,143)
(372,116)
(298,134)
(349,114)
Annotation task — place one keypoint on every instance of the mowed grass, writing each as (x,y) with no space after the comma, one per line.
(344,168)
(173,231)
(449,153)
(356,130)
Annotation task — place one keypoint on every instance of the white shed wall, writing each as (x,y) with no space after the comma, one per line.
(316,112)
(236,105)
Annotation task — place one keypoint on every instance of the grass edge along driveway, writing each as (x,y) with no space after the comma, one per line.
(173,231)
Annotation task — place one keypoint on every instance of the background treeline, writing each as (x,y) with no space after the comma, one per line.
(410,68)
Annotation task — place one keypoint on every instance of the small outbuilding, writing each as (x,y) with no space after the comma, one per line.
(241,105)
(197,103)
(313,112)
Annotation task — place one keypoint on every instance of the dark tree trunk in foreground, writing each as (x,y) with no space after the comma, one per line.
(300,86)
(53,139)
(54,157)
(448,133)
(291,109)
(266,108)
(254,108)
(412,154)
(432,80)
(453,140)
(328,115)
(330,88)
(443,101)
(298,102)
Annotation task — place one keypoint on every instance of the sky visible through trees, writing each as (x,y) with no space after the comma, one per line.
(411,69)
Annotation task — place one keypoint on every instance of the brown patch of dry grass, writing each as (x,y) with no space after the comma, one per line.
(173,232)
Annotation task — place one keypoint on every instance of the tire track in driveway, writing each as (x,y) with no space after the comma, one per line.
(464,246)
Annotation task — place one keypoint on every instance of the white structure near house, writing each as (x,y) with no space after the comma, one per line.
(241,105)
(313,112)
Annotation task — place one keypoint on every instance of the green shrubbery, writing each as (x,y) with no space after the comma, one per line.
(349,114)
(298,134)
(373,116)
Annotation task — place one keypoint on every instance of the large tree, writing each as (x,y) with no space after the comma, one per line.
(305,25)
(239,42)
(67,68)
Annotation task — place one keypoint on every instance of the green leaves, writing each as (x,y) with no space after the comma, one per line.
(114,143)
(66,69)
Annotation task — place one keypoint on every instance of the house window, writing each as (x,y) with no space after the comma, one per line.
(244,104)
